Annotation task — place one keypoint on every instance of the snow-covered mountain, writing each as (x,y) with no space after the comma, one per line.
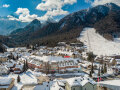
(69,27)
(48,21)
(88,16)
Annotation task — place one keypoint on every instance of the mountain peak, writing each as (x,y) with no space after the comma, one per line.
(112,6)
(50,20)
(35,21)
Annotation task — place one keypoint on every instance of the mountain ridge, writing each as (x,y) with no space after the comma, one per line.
(72,23)
(7,26)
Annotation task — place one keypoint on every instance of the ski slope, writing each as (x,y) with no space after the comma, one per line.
(98,44)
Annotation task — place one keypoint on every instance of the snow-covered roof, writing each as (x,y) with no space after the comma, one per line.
(52,85)
(27,78)
(10,64)
(3,55)
(80,81)
(65,52)
(51,58)
(5,81)
(55,86)
(36,62)
(10,49)
(19,66)
(3,68)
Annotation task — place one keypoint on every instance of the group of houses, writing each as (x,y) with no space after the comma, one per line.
(9,60)
(11,66)
(52,64)
(61,59)
(76,83)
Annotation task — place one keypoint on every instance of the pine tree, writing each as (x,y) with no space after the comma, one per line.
(92,68)
(18,79)
(102,71)
(11,56)
(90,74)
(105,68)
(26,65)
(28,46)
(99,71)
(90,58)
(17,57)
(33,48)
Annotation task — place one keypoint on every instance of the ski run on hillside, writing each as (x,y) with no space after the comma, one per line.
(97,44)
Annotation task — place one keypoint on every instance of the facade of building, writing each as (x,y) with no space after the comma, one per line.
(51,66)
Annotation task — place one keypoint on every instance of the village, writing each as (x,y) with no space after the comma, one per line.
(64,67)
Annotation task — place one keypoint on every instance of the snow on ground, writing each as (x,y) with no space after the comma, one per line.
(26,79)
(111,84)
(117,40)
(98,44)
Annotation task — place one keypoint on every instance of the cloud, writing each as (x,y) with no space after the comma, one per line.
(88,1)
(56,12)
(53,4)
(50,14)
(24,15)
(23,11)
(53,7)
(12,18)
(6,5)
(101,2)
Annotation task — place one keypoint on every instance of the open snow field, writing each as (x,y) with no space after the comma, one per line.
(98,44)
